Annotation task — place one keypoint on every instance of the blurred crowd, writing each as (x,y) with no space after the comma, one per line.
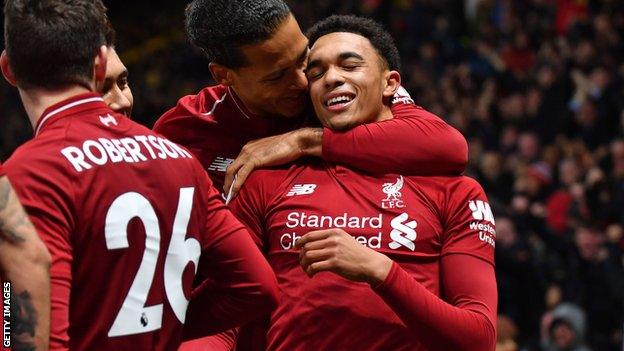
(537,88)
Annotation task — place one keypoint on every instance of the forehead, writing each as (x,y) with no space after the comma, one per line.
(114,66)
(330,46)
(281,50)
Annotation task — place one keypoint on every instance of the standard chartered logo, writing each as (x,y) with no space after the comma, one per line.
(402,234)
(366,230)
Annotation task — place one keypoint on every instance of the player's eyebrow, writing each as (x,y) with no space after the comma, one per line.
(300,58)
(350,54)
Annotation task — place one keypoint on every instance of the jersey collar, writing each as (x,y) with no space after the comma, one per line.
(240,105)
(69,106)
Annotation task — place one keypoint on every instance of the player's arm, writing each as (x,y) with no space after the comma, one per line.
(25,266)
(242,285)
(419,145)
(43,194)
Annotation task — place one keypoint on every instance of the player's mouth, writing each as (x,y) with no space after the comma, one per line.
(338,101)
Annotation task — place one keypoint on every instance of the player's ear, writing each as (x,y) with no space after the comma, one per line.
(221,74)
(7,72)
(393,82)
(99,67)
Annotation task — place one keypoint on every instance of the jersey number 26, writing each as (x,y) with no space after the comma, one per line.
(134,317)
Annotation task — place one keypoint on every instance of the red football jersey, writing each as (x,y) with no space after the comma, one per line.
(416,221)
(125,214)
(1,170)
(215,125)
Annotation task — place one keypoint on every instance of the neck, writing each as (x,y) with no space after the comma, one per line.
(36,100)
(386,113)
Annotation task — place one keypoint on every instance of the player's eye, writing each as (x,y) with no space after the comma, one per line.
(350,65)
(275,77)
(122,83)
(314,73)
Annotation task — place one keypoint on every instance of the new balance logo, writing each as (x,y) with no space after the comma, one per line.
(301,189)
(481,211)
(220,164)
(402,234)
(108,120)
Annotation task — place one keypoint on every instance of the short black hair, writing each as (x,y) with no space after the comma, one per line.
(221,27)
(380,38)
(52,43)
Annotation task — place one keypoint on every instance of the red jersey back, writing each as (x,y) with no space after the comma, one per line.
(122,211)
(413,220)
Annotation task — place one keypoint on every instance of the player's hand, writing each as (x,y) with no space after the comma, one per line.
(334,250)
(272,151)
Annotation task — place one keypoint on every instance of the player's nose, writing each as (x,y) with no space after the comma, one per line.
(332,78)
(300,80)
(119,102)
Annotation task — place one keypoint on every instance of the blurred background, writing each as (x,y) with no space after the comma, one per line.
(537,88)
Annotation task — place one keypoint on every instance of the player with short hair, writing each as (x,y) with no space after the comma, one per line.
(390,262)
(128,216)
(116,90)
(24,269)
(258,56)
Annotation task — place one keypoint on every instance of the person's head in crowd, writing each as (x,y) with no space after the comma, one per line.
(569,172)
(553,296)
(352,70)
(565,328)
(562,334)
(507,332)
(66,46)
(116,90)
(528,146)
(506,234)
(490,165)
(256,48)
(589,243)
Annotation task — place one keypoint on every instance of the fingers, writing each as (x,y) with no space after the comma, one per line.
(314,236)
(241,176)
(231,172)
(307,258)
(317,267)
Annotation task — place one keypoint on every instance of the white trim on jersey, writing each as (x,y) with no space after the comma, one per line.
(63,108)
(214,107)
(237,105)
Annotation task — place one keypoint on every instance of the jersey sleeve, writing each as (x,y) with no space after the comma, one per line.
(239,286)
(469,223)
(414,142)
(463,320)
(1,170)
(47,198)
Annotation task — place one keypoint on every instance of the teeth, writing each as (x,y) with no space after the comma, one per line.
(338,99)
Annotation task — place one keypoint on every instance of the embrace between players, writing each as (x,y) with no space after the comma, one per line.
(357,235)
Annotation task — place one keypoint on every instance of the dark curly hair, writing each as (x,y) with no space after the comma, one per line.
(220,27)
(380,38)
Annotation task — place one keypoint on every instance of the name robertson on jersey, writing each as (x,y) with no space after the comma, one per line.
(139,148)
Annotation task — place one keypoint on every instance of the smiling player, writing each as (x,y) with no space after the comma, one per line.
(408,260)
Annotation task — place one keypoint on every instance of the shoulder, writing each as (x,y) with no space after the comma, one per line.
(413,111)
(191,112)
